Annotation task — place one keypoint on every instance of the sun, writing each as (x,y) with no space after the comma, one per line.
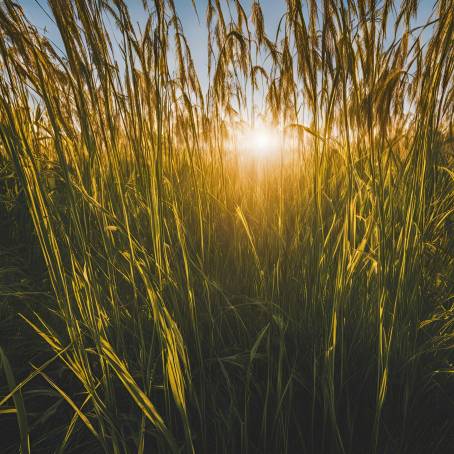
(261,142)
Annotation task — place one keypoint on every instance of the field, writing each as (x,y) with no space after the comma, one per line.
(263,265)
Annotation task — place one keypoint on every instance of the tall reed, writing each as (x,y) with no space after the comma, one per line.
(197,306)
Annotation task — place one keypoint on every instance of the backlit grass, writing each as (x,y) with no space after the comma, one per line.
(163,289)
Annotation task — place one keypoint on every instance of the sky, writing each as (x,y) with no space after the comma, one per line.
(194,29)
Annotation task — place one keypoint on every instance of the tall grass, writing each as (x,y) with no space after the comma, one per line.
(200,306)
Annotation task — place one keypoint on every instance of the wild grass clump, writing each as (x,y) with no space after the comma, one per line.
(182,302)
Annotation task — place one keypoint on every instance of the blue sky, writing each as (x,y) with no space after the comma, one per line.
(194,29)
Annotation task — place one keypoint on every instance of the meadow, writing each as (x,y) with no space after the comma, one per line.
(172,283)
